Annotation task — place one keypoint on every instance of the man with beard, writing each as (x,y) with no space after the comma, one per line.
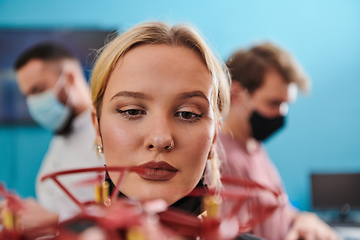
(58,99)
(265,79)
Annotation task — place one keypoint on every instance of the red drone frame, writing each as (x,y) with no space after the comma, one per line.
(121,218)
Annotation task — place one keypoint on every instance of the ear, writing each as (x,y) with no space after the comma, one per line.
(96,125)
(68,86)
(69,76)
(236,91)
(241,97)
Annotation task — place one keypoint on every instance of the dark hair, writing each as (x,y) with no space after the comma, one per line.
(46,51)
(249,66)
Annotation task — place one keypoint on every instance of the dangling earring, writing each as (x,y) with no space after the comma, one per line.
(99,148)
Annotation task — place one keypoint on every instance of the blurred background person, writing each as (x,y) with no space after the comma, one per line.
(265,79)
(58,99)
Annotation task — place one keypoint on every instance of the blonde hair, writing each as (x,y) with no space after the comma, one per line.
(178,35)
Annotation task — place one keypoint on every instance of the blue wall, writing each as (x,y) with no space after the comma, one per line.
(22,149)
(323,128)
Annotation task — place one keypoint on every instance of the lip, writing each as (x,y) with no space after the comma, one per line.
(157,171)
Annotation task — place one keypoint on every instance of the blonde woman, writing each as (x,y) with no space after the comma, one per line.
(159,95)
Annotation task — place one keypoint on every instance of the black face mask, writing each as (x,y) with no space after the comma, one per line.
(263,127)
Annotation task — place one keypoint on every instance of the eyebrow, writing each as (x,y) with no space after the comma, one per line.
(192,94)
(131,95)
(181,96)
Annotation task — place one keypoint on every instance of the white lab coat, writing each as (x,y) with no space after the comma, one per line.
(76,150)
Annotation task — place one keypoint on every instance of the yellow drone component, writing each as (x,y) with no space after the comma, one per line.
(106,193)
(135,234)
(211,204)
(101,193)
(98,193)
(8,219)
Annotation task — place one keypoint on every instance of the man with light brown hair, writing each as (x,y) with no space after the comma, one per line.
(265,79)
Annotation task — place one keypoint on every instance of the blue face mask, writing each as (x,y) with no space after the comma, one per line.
(47,110)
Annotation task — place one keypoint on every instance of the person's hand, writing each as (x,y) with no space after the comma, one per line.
(308,226)
(34,216)
(31,218)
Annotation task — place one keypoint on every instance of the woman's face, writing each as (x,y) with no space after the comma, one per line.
(158,97)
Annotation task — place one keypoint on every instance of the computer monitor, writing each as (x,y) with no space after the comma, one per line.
(333,191)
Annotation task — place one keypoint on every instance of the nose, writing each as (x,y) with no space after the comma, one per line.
(160,136)
(161,144)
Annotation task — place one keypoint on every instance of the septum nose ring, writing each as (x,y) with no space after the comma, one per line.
(169,147)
